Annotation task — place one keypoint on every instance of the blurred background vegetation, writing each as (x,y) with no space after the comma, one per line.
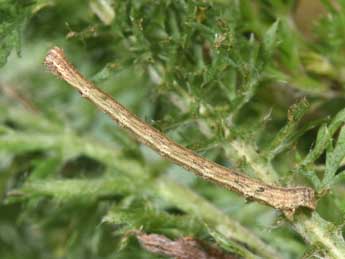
(253,85)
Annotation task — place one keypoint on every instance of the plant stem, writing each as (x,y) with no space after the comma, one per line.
(318,231)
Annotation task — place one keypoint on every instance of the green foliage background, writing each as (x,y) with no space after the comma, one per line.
(236,81)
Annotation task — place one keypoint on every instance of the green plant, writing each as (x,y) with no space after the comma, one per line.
(235,81)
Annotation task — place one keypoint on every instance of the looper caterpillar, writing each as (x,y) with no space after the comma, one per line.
(285,199)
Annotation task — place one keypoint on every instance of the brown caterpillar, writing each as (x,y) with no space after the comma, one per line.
(285,199)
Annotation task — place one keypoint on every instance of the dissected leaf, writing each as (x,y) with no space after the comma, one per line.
(12,18)
(323,139)
(334,158)
(270,40)
(284,137)
(151,220)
